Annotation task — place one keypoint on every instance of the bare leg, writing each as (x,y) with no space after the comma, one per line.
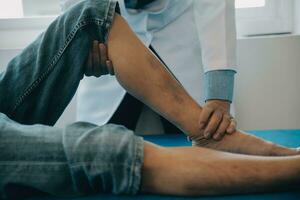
(241,142)
(145,77)
(200,171)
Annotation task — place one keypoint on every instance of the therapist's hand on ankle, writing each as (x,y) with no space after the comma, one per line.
(98,63)
(215,119)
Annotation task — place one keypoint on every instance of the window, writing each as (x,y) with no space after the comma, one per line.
(30,17)
(28,8)
(24,17)
(11,9)
(249,3)
(262,17)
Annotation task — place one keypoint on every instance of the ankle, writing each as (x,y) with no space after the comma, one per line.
(283,151)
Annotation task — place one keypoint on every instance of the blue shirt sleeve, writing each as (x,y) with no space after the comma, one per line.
(219,84)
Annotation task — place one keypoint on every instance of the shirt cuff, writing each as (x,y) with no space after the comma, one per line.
(219,85)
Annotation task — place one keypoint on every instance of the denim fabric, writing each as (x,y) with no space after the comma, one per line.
(36,87)
(31,91)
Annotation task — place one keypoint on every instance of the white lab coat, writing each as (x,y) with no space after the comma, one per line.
(191,36)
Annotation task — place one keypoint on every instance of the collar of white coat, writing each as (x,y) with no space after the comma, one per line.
(153,17)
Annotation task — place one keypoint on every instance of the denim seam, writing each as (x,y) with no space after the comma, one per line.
(89,163)
(135,178)
(110,11)
(131,170)
(31,162)
(56,58)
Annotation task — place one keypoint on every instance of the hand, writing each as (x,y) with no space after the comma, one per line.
(215,120)
(98,63)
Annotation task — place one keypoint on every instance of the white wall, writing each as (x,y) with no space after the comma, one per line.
(267,85)
(296,16)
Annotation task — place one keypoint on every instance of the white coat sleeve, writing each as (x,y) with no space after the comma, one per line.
(215,21)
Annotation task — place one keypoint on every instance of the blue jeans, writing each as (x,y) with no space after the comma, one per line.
(36,87)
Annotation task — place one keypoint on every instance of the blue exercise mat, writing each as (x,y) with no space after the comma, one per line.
(289,138)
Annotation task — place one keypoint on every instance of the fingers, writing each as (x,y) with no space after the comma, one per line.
(232,127)
(110,68)
(96,60)
(103,58)
(215,120)
(89,69)
(205,116)
(213,124)
(222,127)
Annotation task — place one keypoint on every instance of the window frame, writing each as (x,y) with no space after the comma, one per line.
(275,18)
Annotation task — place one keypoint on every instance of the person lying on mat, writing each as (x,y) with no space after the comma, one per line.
(82,158)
